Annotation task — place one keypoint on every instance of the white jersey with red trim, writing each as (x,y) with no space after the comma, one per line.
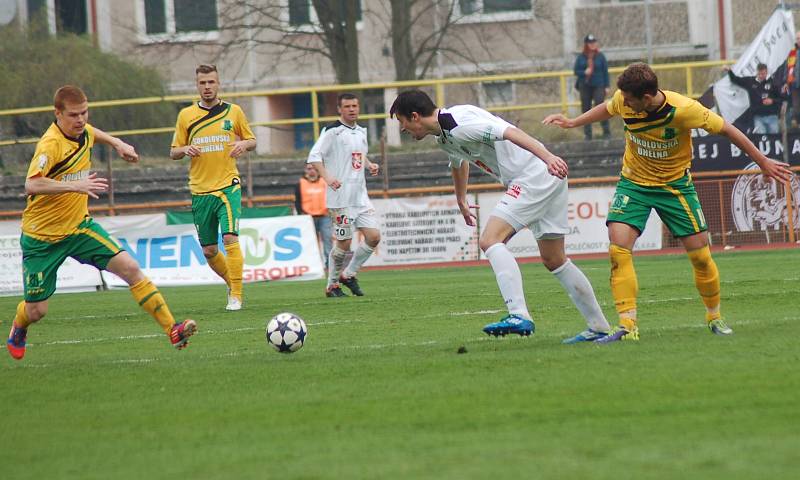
(473,134)
(343,151)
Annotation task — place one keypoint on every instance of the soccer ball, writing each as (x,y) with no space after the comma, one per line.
(286,332)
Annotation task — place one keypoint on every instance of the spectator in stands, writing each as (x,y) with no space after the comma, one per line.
(791,87)
(591,68)
(309,199)
(765,98)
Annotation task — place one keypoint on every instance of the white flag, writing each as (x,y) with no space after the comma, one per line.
(771,47)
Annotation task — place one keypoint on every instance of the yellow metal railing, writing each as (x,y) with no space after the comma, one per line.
(438,85)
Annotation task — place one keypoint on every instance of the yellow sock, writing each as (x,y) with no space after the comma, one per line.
(21,318)
(706,278)
(150,299)
(235,265)
(624,285)
(220,266)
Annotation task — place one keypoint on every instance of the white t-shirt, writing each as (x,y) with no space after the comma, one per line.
(473,134)
(343,151)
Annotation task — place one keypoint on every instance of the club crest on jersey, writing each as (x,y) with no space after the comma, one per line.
(514,191)
(42,160)
(227,125)
(357,160)
(483,166)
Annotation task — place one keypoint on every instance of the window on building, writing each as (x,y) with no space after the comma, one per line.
(303,14)
(484,7)
(71,16)
(176,17)
(498,93)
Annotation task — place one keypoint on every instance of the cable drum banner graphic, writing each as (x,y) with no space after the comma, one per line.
(587,212)
(274,248)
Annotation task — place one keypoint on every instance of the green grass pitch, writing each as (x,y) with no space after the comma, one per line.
(379,390)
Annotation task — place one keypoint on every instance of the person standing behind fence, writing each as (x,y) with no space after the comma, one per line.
(655,175)
(765,98)
(591,68)
(791,87)
(310,199)
(214,134)
(56,222)
(340,156)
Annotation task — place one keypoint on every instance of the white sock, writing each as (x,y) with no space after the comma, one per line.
(509,279)
(361,255)
(582,295)
(335,262)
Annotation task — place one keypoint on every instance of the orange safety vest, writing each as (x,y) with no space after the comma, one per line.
(312,196)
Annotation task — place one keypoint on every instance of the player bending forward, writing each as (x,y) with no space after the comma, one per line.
(536,199)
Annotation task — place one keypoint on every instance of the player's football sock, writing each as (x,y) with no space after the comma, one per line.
(149,298)
(361,255)
(335,261)
(706,278)
(509,279)
(21,317)
(582,295)
(220,266)
(624,285)
(235,263)
(627,320)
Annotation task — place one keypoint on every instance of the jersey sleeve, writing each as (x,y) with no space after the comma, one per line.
(243,130)
(614,106)
(454,161)
(321,147)
(697,116)
(47,151)
(180,137)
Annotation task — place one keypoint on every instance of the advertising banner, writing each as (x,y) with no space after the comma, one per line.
(274,248)
(587,212)
(716,152)
(73,276)
(422,230)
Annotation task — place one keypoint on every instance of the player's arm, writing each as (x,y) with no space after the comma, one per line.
(247,142)
(41,185)
(180,143)
(596,114)
(126,151)
(373,167)
(555,165)
(460,176)
(332,182)
(770,168)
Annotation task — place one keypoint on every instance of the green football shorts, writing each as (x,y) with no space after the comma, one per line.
(215,211)
(90,244)
(676,203)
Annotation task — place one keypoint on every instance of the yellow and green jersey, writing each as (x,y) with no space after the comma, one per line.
(52,217)
(211,130)
(658,144)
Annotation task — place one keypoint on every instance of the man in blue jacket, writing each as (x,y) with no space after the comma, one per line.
(591,68)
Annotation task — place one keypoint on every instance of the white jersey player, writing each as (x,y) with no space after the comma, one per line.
(535,198)
(340,155)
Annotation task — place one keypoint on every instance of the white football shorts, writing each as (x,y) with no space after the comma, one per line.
(539,206)
(345,219)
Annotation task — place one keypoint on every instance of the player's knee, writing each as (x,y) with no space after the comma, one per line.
(552,261)
(373,240)
(486,242)
(210,251)
(35,311)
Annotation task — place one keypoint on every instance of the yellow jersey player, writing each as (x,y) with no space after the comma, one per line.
(56,222)
(655,175)
(214,134)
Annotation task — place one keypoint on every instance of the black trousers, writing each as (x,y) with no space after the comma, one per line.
(591,96)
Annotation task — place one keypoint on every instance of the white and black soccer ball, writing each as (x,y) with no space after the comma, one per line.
(286,332)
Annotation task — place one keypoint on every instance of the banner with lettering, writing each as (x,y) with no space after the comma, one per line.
(422,230)
(587,212)
(716,152)
(274,248)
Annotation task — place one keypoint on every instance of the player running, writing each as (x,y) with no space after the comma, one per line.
(655,175)
(56,222)
(536,198)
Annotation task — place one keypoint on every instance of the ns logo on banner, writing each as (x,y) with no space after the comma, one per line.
(759,203)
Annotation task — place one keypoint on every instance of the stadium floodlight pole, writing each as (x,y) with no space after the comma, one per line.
(648,32)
